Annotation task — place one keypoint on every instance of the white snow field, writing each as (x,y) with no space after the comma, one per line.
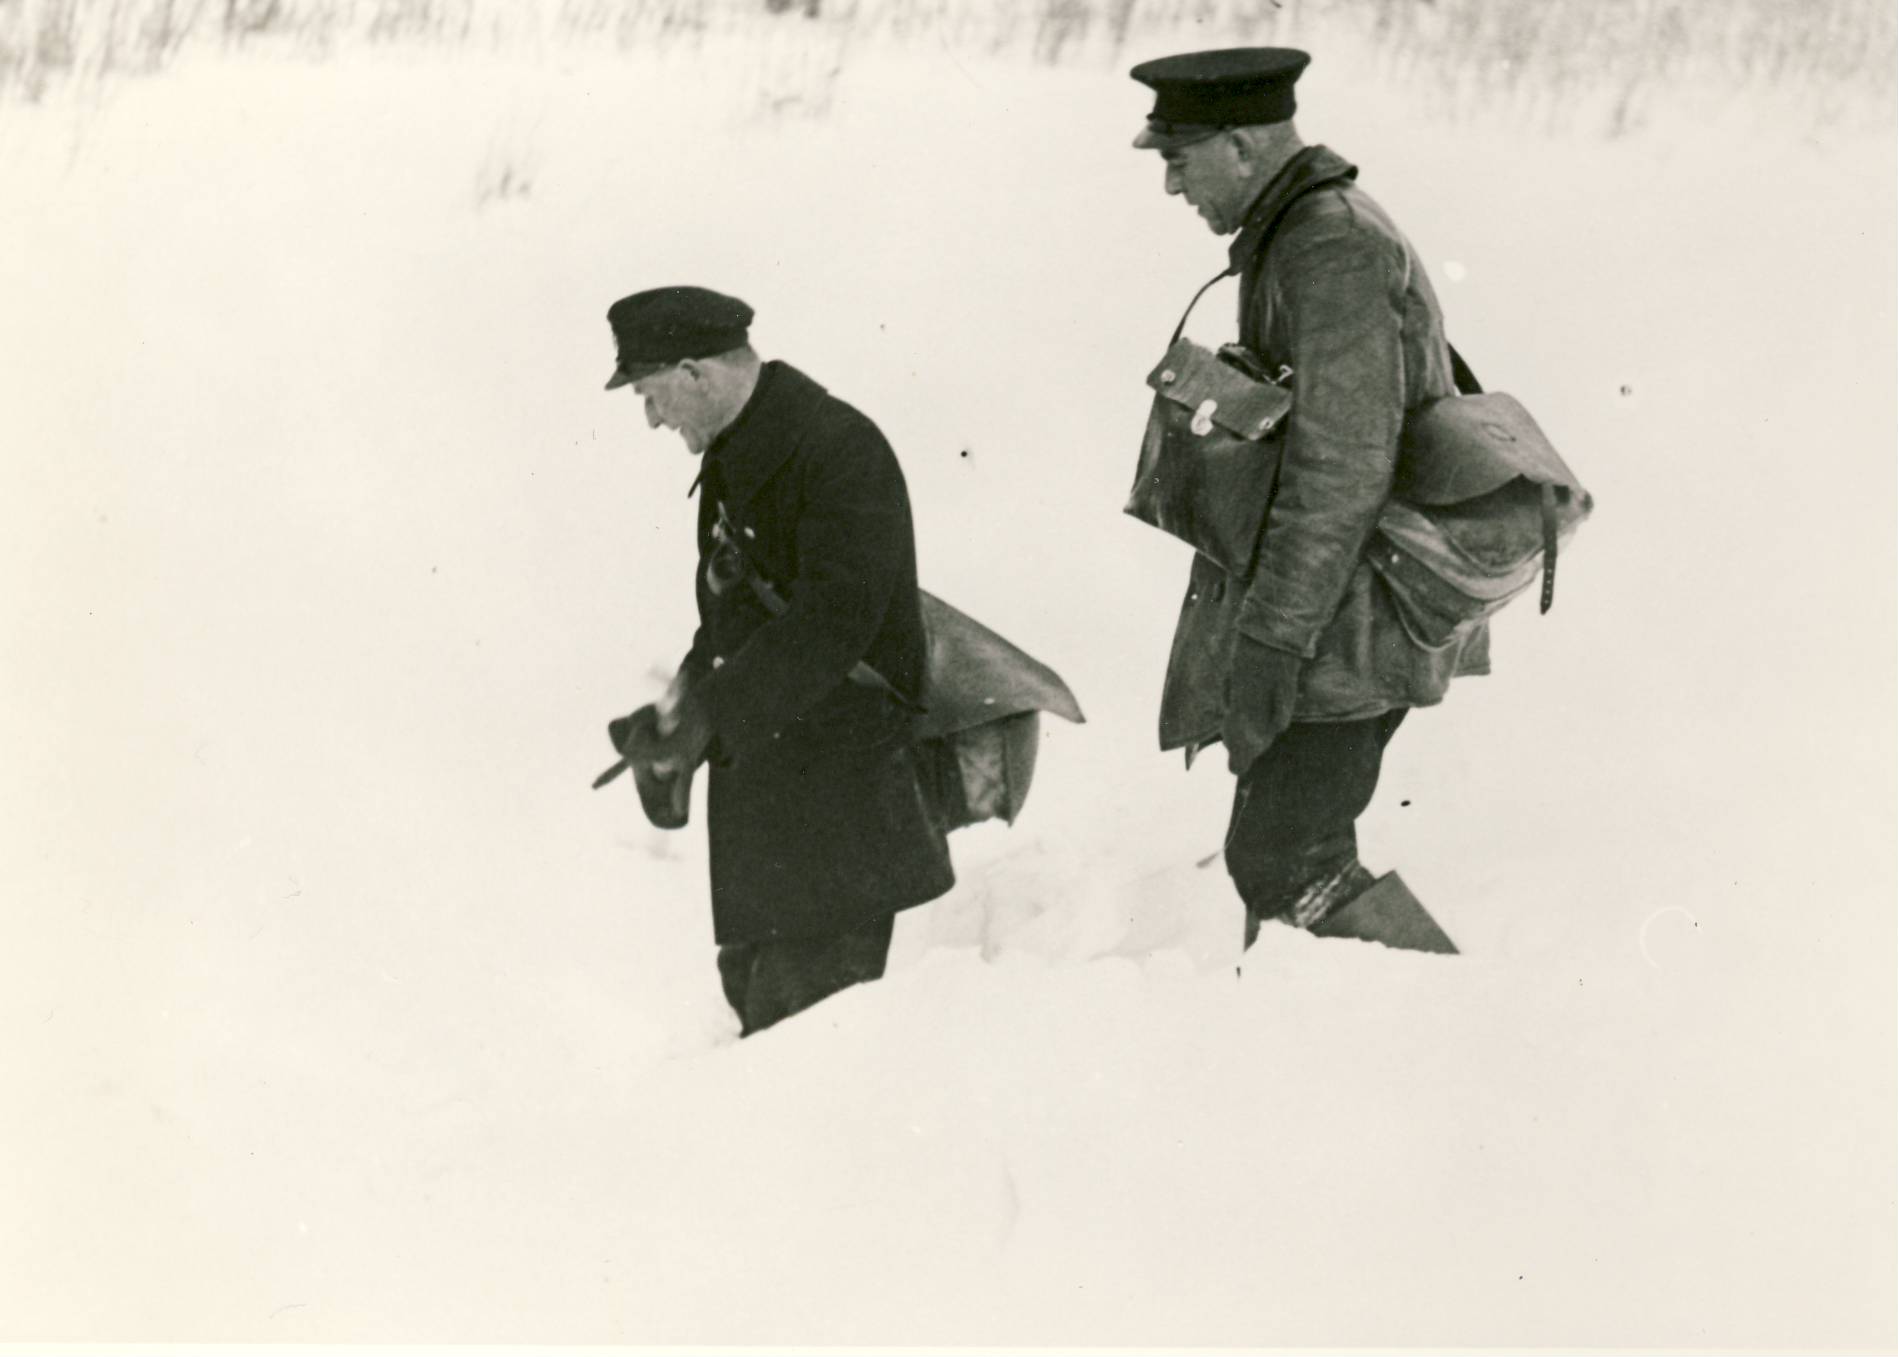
(336,1008)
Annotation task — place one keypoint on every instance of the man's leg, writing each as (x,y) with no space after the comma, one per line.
(1292,844)
(783,976)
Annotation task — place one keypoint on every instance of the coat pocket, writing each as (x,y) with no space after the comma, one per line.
(850,719)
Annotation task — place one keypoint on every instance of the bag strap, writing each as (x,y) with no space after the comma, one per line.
(1548,545)
(1460,373)
(1258,251)
(1205,287)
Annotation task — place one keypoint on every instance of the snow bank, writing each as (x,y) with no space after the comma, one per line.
(339,1009)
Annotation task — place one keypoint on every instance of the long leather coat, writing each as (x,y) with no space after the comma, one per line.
(817,824)
(1330,288)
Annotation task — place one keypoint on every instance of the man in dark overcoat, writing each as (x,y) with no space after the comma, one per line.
(1303,668)
(802,682)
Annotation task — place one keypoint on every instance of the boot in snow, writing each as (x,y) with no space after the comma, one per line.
(1388,913)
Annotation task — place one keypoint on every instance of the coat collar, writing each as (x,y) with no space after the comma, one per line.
(766,432)
(1311,168)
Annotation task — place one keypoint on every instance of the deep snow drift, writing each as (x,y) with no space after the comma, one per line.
(337,1008)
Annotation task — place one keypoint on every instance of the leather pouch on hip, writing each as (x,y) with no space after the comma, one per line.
(1210,456)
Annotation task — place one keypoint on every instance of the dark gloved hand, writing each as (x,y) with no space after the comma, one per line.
(662,769)
(678,742)
(1261,691)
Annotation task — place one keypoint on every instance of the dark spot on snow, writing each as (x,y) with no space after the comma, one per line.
(1403,803)
(1626,390)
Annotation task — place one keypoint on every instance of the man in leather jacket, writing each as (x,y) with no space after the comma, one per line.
(1303,669)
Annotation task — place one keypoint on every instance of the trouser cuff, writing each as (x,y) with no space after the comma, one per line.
(1330,893)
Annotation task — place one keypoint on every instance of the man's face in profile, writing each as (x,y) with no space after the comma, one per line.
(679,398)
(1212,174)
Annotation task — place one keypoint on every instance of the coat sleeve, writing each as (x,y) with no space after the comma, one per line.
(695,668)
(1339,291)
(851,529)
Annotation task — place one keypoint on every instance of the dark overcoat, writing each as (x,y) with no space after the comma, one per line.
(816,820)
(1331,289)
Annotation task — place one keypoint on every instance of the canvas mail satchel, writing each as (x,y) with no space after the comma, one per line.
(978,726)
(1481,505)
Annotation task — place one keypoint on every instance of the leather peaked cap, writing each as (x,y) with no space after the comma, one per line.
(1198,93)
(666,325)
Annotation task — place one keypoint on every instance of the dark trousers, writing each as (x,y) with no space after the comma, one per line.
(1292,843)
(766,982)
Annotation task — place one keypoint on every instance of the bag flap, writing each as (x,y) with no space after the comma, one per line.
(976,677)
(1462,447)
(1200,381)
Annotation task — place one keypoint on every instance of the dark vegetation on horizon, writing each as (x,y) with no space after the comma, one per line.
(1614,53)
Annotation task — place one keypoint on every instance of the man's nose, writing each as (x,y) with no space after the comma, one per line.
(1173,184)
(652,414)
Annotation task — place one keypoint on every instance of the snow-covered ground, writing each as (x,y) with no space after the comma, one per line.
(335,1007)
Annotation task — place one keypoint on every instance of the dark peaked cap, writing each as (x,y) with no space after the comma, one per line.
(666,325)
(1198,93)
